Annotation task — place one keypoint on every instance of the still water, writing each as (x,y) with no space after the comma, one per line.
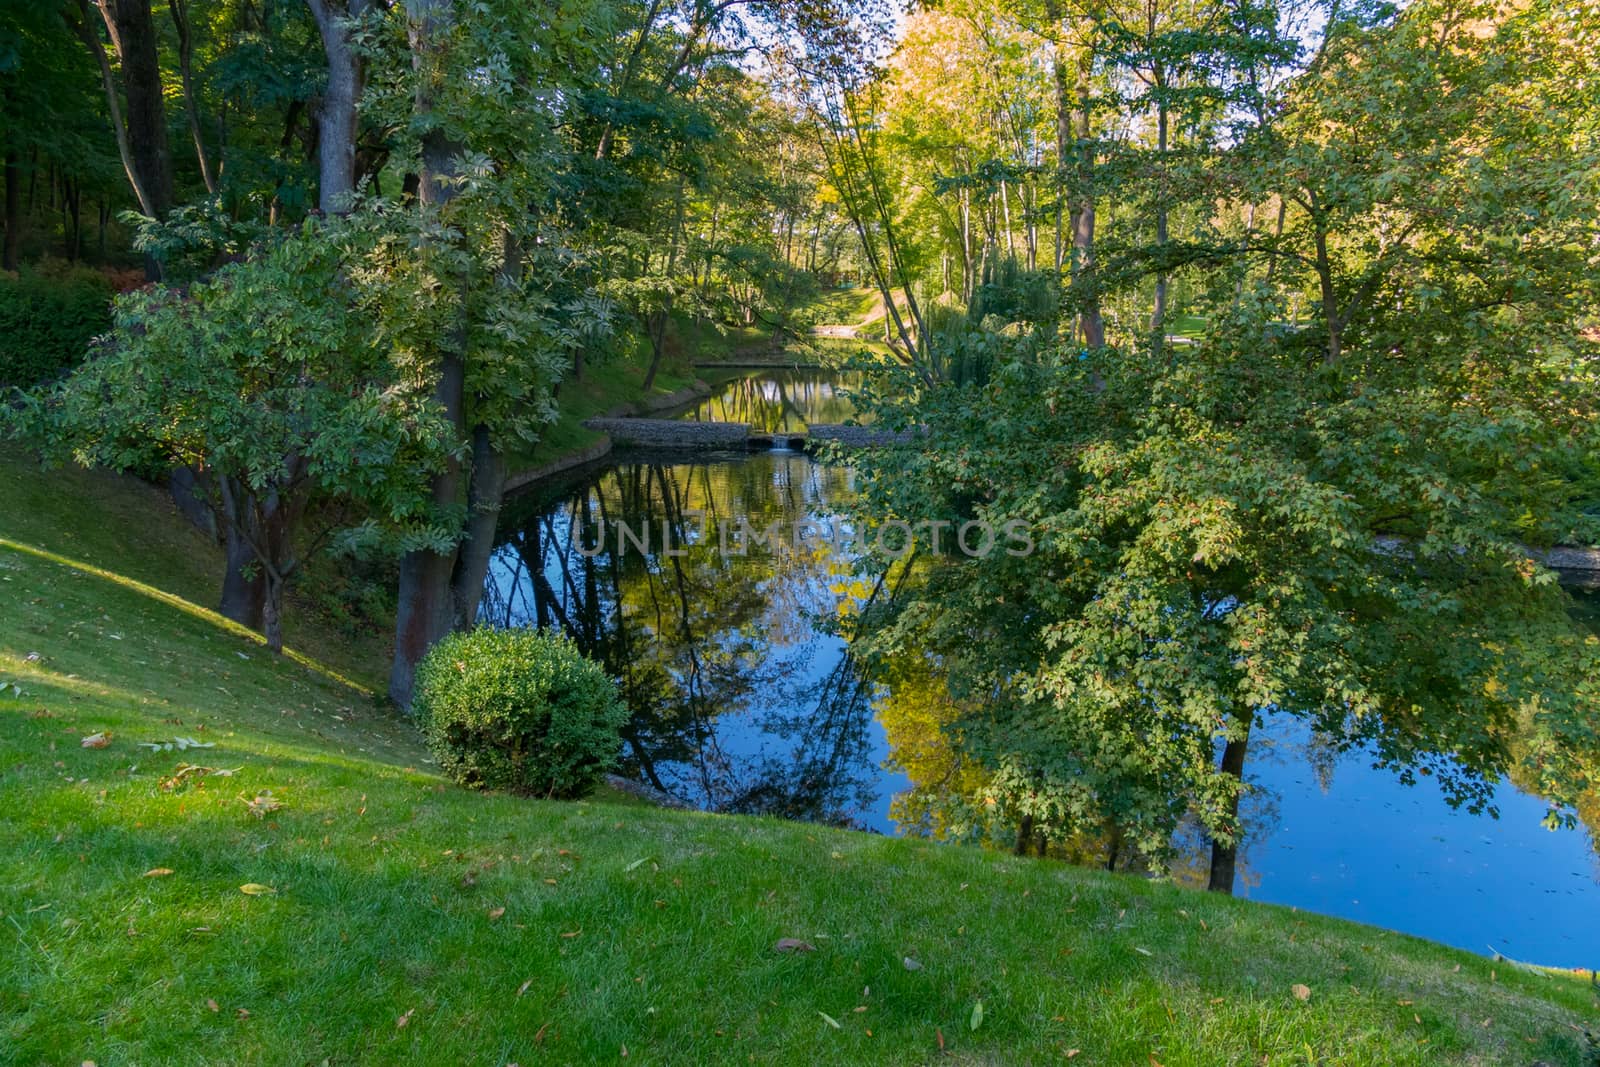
(785,401)
(746,699)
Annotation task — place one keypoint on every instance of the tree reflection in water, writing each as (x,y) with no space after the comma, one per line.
(783,401)
(745,698)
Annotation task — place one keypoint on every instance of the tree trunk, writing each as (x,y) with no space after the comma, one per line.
(1094,331)
(1063,140)
(338,121)
(1024,836)
(191,107)
(1158,316)
(485,492)
(1330,299)
(133,35)
(1225,857)
(425,612)
(8,261)
(244,595)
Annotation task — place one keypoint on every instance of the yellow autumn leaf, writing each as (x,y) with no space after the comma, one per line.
(256,889)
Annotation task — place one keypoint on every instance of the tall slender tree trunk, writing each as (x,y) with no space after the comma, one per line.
(440,591)
(425,612)
(1330,300)
(1158,315)
(1094,332)
(338,120)
(8,261)
(142,135)
(133,35)
(191,106)
(1225,856)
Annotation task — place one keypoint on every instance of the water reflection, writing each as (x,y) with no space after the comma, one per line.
(1348,839)
(745,699)
(782,401)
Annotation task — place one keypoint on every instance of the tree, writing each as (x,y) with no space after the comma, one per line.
(1338,523)
(338,121)
(139,117)
(266,381)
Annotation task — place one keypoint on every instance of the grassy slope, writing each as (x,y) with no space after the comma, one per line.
(623,926)
(621,380)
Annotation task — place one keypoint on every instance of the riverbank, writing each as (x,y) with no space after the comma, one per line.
(392,917)
(615,387)
(698,358)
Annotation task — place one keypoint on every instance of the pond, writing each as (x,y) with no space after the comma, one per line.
(782,401)
(746,699)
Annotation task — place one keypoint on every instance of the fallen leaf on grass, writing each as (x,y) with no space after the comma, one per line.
(157,872)
(256,889)
(404,1020)
(263,804)
(1301,992)
(523,988)
(1144,951)
(911,964)
(830,1020)
(1071,1052)
(213,1005)
(573,933)
(242,1013)
(977,1016)
(495,913)
(99,740)
(636,864)
(792,944)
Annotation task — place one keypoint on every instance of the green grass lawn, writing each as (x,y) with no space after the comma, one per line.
(842,307)
(403,920)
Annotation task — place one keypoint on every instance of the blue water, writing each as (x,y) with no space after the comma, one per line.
(747,700)
(1374,850)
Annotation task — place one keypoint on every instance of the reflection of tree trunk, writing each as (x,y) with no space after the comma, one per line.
(1224,857)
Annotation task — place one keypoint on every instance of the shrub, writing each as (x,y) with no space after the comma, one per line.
(518,709)
(47,321)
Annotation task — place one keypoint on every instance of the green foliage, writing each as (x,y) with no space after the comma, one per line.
(518,709)
(47,320)
(267,381)
(1272,522)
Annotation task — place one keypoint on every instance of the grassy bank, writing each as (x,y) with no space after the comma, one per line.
(394,918)
(611,382)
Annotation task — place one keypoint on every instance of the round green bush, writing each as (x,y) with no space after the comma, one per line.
(522,710)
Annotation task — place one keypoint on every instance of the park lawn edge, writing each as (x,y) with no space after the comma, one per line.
(374,931)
